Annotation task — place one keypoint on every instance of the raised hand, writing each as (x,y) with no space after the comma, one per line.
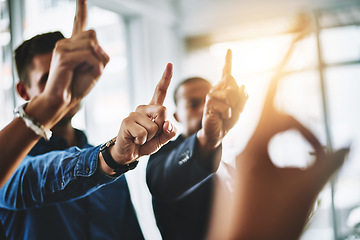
(222,109)
(78,61)
(76,65)
(272,202)
(144,131)
(91,68)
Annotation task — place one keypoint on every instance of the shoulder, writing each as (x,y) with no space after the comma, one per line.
(172,144)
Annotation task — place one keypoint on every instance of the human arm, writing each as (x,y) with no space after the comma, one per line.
(63,90)
(272,202)
(144,131)
(278,200)
(222,109)
(57,176)
(66,175)
(168,174)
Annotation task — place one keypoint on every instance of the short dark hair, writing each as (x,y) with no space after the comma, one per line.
(187,80)
(40,44)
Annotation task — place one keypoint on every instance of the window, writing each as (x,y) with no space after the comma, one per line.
(300,94)
(6,82)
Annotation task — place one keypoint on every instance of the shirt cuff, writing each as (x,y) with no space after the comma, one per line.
(88,166)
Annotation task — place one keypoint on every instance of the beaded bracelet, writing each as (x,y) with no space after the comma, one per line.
(32,123)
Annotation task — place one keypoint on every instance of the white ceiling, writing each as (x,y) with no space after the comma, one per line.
(199,17)
(215,17)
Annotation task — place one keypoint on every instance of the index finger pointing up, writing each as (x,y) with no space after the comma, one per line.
(161,88)
(227,79)
(228,63)
(80,17)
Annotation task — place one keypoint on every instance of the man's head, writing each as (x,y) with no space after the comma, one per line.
(33,58)
(189,98)
(40,45)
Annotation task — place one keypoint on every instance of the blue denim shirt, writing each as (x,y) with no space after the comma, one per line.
(64,195)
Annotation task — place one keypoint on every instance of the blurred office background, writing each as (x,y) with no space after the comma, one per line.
(321,89)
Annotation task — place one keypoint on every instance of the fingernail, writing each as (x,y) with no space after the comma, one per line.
(229,113)
(170,127)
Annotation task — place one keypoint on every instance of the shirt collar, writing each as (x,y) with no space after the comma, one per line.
(58,143)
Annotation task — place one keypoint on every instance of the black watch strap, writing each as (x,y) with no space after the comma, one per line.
(118,168)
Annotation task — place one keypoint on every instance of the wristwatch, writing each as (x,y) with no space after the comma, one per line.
(118,168)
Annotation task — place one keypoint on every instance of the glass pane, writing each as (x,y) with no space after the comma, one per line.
(299,94)
(264,54)
(46,16)
(109,102)
(256,88)
(253,65)
(343,85)
(340,44)
(6,79)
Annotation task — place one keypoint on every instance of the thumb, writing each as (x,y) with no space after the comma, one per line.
(169,131)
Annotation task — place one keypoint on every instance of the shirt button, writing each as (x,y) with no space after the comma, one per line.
(62,184)
(87,170)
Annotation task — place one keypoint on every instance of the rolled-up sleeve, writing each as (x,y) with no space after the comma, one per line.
(57,176)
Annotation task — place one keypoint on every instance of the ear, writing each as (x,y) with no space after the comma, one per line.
(176,117)
(22,90)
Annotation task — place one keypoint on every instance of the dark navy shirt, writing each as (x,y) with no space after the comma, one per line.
(64,195)
(181,189)
(2,232)
(58,143)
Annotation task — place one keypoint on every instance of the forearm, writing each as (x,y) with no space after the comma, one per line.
(209,150)
(54,177)
(19,139)
(48,110)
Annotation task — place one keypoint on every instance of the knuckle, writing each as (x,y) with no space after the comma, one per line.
(127,155)
(90,43)
(107,58)
(60,45)
(97,70)
(142,134)
(133,115)
(92,33)
(140,108)
(162,110)
(153,128)
(127,120)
